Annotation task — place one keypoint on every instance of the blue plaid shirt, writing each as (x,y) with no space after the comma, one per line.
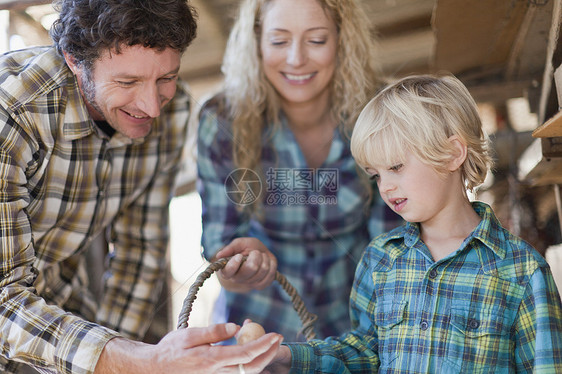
(314,220)
(490,307)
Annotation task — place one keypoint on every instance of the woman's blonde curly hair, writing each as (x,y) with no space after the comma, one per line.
(252,102)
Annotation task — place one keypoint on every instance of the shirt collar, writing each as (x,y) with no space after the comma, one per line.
(284,139)
(489,232)
(41,69)
(77,121)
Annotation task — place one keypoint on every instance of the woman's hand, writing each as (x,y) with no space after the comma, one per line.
(257,271)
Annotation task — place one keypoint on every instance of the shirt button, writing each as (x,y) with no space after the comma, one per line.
(433,273)
(473,324)
(424,325)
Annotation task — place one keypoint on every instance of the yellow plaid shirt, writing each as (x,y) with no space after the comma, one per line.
(62,183)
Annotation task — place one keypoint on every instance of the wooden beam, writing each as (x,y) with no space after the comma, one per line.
(498,92)
(21,4)
(541,163)
(204,56)
(558,204)
(551,128)
(527,56)
(553,45)
(385,15)
(407,53)
(537,170)
(29,29)
(519,42)
(473,34)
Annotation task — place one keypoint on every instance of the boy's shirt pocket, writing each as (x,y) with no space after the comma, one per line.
(482,335)
(389,318)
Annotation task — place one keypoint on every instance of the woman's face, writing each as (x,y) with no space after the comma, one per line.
(298,46)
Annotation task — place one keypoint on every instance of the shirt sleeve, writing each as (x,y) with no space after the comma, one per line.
(32,331)
(221,220)
(139,238)
(539,326)
(353,352)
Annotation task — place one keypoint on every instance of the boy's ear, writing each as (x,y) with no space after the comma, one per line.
(459,153)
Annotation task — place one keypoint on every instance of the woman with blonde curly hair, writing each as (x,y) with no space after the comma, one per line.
(278,183)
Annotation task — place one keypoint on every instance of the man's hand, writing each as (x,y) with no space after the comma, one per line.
(256,272)
(189,351)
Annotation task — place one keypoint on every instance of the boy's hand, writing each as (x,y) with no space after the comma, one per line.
(281,363)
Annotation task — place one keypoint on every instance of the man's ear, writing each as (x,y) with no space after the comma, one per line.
(71,62)
(459,153)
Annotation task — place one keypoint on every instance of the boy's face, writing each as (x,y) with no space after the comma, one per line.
(129,89)
(415,190)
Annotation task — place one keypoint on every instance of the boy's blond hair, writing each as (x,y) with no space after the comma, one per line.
(419,113)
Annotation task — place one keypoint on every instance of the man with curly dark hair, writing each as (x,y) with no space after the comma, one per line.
(91,136)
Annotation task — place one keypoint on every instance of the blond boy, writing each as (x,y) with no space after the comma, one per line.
(450,291)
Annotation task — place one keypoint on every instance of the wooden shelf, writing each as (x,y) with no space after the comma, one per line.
(551,128)
(538,170)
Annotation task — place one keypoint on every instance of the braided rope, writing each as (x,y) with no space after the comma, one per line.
(307,319)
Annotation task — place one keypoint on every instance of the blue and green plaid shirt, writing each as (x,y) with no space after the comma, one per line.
(315,221)
(490,307)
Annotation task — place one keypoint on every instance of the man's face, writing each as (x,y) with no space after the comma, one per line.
(128,89)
